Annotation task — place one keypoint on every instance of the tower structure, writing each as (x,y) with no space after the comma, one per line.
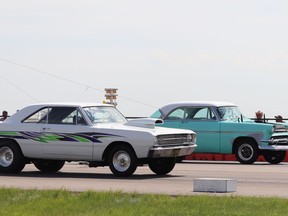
(111,96)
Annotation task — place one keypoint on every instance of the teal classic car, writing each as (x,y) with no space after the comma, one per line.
(221,128)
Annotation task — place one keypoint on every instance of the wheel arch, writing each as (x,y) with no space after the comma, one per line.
(241,139)
(7,140)
(112,145)
(16,161)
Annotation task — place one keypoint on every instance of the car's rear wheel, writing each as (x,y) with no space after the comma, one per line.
(162,166)
(11,158)
(246,151)
(122,161)
(274,157)
(49,165)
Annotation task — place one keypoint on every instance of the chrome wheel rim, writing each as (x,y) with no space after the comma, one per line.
(245,152)
(121,161)
(6,156)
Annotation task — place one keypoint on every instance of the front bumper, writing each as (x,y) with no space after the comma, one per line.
(275,144)
(176,151)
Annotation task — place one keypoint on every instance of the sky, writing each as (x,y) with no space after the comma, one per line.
(153,51)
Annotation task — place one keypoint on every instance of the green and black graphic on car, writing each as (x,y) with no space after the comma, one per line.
(52,137)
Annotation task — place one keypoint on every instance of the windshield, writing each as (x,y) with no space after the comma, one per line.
(229,113)
(103,114)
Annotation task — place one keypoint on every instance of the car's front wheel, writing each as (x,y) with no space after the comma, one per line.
(11,158)
(246,151)
(122,161)
(162,166)
(274,157)
(49,165)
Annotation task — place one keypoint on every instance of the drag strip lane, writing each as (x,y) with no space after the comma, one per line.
(259,179)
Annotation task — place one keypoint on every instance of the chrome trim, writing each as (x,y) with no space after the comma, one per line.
(175,139)
(282,141)
(280,128)
(176,151)
(274,147)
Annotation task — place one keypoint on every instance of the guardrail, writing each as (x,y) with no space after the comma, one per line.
(269,119)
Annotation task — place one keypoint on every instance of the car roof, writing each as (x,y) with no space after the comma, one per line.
(34,107)
(74,104)
(167,108)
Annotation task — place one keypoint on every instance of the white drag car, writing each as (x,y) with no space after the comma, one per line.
(47,135)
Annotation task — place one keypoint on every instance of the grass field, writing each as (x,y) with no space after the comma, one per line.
(61,202)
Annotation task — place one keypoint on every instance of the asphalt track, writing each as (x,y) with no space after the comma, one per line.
(260,179)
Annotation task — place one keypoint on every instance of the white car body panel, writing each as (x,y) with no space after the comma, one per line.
(84,142)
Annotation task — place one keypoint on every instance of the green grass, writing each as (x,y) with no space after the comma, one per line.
(61,202)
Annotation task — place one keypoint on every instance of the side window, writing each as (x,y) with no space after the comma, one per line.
(78,119)
(157,114)
(177,114)
(197,113)
(69,119)
(38,117)
(57,115)
(61,115)
(211,114)
(70,116)
(202,113)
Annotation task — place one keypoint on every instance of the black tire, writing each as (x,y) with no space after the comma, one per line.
(274,157)
(50,166)
(122,161)
(246,151)
(11,158)
(180,159)
(162,166)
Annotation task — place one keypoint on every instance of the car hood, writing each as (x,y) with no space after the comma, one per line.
(146,125)
(144,122)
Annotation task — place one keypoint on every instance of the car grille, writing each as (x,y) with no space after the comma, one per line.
(174,139)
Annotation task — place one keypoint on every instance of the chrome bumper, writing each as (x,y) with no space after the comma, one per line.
(275,144)
(176,151)
(274,148)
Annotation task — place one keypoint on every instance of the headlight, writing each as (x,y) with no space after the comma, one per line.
(189,138)
(155,141)
(194,138)
(279,128)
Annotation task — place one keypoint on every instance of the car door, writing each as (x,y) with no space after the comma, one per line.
(64,137)
(203,121)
